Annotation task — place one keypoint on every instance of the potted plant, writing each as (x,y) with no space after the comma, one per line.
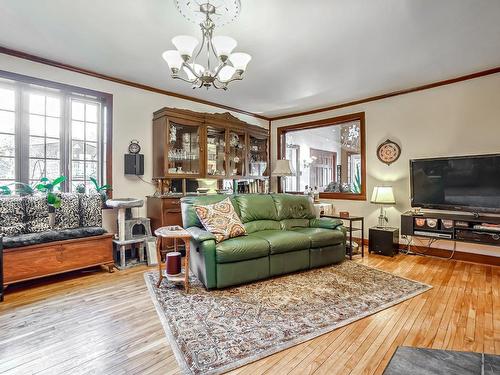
(47,186)
(102,190)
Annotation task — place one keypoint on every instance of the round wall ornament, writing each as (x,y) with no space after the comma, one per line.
(388,152)
(134,147)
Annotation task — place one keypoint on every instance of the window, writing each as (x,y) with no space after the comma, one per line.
(327,155)
(49,129)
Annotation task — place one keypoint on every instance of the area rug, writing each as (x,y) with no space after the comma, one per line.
(212,332)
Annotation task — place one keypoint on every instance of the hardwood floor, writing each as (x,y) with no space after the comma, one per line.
(106,324)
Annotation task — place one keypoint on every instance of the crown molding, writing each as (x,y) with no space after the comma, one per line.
(391,94)
(72,68)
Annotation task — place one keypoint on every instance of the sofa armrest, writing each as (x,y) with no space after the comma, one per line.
(202,260)
(325,222)
(200,235)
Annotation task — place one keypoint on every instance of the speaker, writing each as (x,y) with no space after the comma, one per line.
(407,224)
(134,164)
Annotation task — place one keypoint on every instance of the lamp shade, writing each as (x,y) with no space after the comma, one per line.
(185,44)
(173,59)
(224,45)
(240,60)
(282,168)
(383,195)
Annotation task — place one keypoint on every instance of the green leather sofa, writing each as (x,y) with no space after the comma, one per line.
(283,236)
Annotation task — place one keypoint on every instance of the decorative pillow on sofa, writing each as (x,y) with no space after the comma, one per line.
(11,216)
(68,215)
(36,209)
(221,220)
(90,210)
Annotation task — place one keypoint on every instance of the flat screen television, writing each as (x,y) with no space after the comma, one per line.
(462,183)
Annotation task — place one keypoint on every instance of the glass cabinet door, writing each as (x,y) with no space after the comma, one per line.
(258,156)
(216,151)
(236,147)
(183,149)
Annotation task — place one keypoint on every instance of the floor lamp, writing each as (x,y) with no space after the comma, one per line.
(282,168)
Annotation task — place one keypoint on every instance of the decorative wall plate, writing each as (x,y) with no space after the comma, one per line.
(388,152)
(134,147)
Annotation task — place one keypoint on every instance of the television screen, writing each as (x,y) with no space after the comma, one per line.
(468,183)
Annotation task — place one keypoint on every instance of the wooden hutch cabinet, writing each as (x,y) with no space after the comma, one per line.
(189,145)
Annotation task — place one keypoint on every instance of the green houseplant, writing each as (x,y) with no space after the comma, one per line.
(47,186)
(102,190)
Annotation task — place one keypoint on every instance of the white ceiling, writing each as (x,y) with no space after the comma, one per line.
(306,54)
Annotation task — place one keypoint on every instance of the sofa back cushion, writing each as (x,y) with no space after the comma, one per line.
(189,216)
(290,224)
(289,206)
(11,216)
(258,225)
(221,220)
(36,211)
(67,216)
(256,207)
(90,210)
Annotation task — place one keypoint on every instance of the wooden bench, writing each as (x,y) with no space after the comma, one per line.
(35,261)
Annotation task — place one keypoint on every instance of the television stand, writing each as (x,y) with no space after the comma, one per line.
(455,227)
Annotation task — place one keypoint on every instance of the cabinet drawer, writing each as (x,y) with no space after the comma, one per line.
(172,203)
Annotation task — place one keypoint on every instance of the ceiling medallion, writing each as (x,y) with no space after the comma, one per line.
(222,65)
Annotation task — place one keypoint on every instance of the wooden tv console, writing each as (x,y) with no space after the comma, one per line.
(454,227)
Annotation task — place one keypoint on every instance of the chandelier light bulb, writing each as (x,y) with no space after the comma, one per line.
(240,60)
(173,59)
(185,44)
(224,45)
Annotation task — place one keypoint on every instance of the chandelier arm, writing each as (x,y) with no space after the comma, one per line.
(198,76)
(223,85)
(221,65)
(185,80)
(237,78)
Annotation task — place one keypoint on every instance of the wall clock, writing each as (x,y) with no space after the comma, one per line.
(388,152)
(134,147)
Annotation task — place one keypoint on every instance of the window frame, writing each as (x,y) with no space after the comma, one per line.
(67,93)
(359,116)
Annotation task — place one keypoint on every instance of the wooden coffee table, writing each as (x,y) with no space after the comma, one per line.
(179,234)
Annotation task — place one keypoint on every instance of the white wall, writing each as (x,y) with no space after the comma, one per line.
(458,119)
(132,119)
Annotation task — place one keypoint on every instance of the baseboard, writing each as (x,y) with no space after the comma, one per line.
(446,254)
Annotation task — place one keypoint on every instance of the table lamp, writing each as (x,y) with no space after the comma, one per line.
(383,195)
(282,168)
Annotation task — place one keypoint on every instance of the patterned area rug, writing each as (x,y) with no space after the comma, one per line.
(212,332)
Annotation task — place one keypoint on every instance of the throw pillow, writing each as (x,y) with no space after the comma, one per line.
(11,216)
(90,210)
(68,215)
(221,220)
(36,209)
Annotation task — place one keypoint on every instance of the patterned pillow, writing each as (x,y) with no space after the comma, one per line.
(90,210)
(68,215)
(36,209)
(11,211)
(221,220)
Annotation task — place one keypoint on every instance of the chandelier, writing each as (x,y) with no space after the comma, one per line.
(222,65)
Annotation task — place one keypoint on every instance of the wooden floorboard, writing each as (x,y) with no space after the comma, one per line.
(93,322)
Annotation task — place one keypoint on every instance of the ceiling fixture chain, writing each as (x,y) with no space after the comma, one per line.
(222,65)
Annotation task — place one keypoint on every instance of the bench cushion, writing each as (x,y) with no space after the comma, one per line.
(50,236)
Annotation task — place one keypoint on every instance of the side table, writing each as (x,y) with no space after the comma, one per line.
(175,234)
(351,229)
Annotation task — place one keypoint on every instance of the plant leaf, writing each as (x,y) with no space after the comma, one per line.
(59,180)
(44,179)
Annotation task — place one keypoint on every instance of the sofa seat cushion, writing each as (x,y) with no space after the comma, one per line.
(283,241)
(50,236)
(320,237)
(241,248)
